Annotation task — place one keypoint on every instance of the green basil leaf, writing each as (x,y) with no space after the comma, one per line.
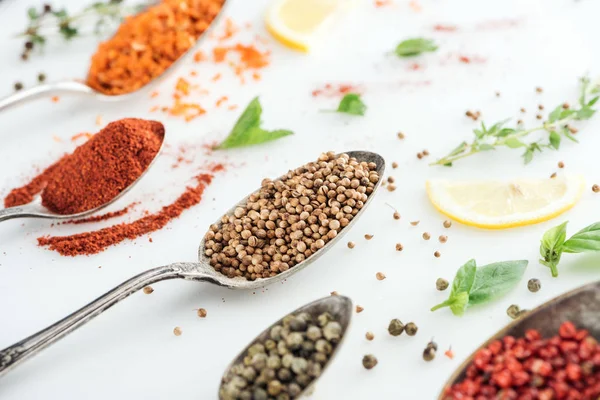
(463,280)
(352,104)
(593,101)
(551,247)
(485,147)
(587,239)
(32,13)
(555,114)
(584,113)
(567,133)
(247,131)
(459,303)
(413,47)
(495,280)
(505,132)
(555,139)
(513,143)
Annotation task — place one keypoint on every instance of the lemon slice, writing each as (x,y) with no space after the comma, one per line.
(505,204)
(297,23)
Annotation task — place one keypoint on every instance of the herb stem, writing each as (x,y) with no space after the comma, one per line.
(441,305)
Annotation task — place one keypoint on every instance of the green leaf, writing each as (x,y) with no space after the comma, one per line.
(247,131)
(68,32)
(60,13)
(505,132)
(463,280)
(485,147)
(586,240)
(567,133)
(352,104)
(555,139)
(413,47)
(584,113)
(514,143)
(459,149)
(32,13)
(528,156)
(551,247)
(555,114)
(593,101)
(459,303)
(494,280)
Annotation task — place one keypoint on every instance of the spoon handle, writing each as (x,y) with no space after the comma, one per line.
(19,352)
(41,90)
(12,212)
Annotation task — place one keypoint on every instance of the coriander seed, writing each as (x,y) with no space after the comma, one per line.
(390,179)
(359,309)
(391,187)
(447,223)
(400,135)
(443,239)
(534,285)
(411,329)
(419,156)
(539,116)
(441,284)
(369,361)
(572,129)
(177,331)
(396,327)
(437,254)
(595,188)
(399,247)
(513,311)
(396,215)
(425,152)
(538,90)
(394,165)
(351,245)
(148,290)
(566,106)
(380,276)
(561,164)
(523,110)
(414,223)
(334,293)
(370,336)
(368,236)
(540,107)
(426,235)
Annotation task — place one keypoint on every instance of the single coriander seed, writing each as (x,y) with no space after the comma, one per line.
(148,290)
(370,336)
(177,331)
(396,327)
(441,284)
(523,110)
(447,223)
(380,276)
(334,293)
(396,215)
(572,129)
(534,285)
(369,361)
(202,313)
(561,164)
(415,223)
(411,329)
(400,135)
(351,245)
(437,254)
(539,116)
(18,86)
(368,236)
(538,89)
(553,175)
(540,107)
(390,179)
(426,235)
(513,311)
(394,165)
(425,152)
(443,239)
(359,309)
(595,188)
(419,156)
(399,247)
(566,106)
(391,187)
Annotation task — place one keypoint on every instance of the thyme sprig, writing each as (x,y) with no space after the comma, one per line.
(556,127)
(97,17)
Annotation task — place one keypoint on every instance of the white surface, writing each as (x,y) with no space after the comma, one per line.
(131,352)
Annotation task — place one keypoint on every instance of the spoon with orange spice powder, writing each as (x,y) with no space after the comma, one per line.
(144,47)
(95,175)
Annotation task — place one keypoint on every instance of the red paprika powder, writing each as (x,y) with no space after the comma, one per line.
(97,171)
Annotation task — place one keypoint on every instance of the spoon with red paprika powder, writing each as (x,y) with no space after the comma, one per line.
(200,271)
(95,175)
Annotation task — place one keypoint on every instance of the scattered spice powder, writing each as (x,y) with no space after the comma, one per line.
(337,90)
(216,77)
(148,43)
(55,99)
(250,58)
(221,100)
(445,28)
(383,3)
(102,217)
(97,171)
(78,136)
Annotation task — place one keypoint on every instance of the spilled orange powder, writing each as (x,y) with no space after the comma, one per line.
(221,100)
(78,136)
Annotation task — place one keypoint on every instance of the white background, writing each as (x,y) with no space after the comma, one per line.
(131,352)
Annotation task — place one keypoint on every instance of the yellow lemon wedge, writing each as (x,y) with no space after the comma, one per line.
(297,23)
(505,204)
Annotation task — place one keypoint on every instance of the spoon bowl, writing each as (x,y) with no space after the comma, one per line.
(340,308)
(196,271)
(580,306)
(35,209)
(77,86)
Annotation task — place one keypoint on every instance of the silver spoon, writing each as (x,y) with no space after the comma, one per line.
(35,209)
(196,271)
(340,308)
(78,86)
(580,306)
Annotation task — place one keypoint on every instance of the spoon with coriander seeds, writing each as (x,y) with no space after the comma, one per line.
(288,357)
(268,236)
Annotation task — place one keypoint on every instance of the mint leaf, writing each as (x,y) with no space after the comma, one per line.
(463,280)
(494,280)
(352,104)
(551,247)
(459,303)
(414,47)
(247,130)
(586,240)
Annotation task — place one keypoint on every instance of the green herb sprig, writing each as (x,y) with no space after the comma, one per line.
(46,21)
(554,243)
(351,104)
(556,127)
(473,285)
(414,47)
(247,130)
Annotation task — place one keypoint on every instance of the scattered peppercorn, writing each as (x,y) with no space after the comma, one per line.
(437,254)
(415,223)
(396,327)
(426,235)
(443,239)
(534,285)
(399,247)
(18,86)
(441,284)
(148,290)
(368,236)
(380,276)
(28,45)
(359,309)
(370,336)
(369,361)
(428,353)
(447,223)
(401,135)
(513,311)
(394,165)
(177,331)
(351,245)
(411,329)
(432,345)
(41,77)
(561,164)
(595,188)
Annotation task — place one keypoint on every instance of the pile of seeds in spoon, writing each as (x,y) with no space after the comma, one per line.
(286,361)
(290,219)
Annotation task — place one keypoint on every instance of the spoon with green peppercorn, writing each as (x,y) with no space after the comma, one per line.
(200,271)
(287,358)
(580,306)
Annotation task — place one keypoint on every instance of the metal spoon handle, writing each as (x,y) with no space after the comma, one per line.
(19,352)
(41,90)
(12,212)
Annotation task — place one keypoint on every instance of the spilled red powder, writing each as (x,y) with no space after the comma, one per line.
(96,241)
(415,67)
(102,217)
(78,136)
(383,3)
(445,28)
(471,59)
(334,90)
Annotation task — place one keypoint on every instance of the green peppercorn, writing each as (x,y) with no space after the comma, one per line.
(333,331)
(369,361)
(396,327)
(324,319)
(18,86)
(534,285)
(513,311)
(41,77)
(432,345)
(303,380)
(428,353)
(313,333)
(441,284)
(411,329)
(260,394)
(274,388)
(294,390)
(299,365)
(283,396)
(284,375)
